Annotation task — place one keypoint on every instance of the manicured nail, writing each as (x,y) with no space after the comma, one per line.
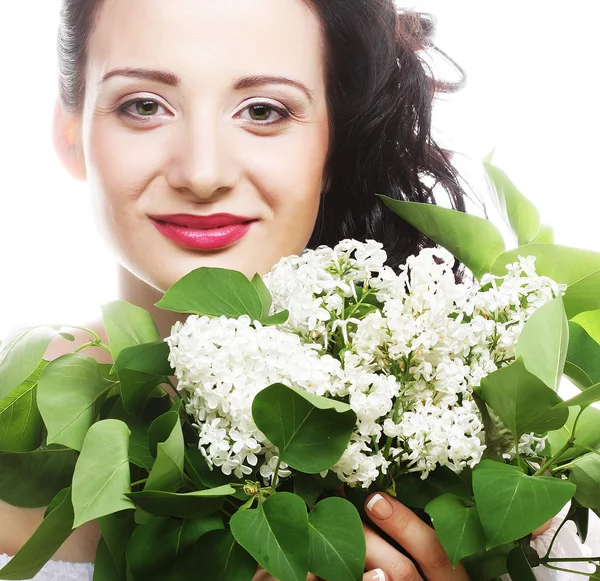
(379,507)
(375,575)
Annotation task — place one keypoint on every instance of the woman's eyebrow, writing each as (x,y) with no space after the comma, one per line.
(164,77)
(258,80)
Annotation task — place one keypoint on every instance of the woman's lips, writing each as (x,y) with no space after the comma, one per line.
(203,239)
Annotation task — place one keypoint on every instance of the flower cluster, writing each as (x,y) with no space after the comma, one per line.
(404,349)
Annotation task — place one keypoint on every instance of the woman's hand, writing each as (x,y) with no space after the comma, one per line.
(385,563)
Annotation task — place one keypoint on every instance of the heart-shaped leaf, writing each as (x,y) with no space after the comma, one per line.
(149,358)
(512,504)
(223,558)
(585,474)
(71,391)
(583,357)
(474,241)
(213,292)
(21,425)
(20,354)
(523,402)
(33,479)
(337,540)
(46,540)
(579,269)
(457,525)
(127,325)
(310,431)
(518,212)
(197,504)
(166,549)
(99,488)
(544,341)
(276,535)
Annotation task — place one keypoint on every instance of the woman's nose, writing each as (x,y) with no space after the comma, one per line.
(204,161)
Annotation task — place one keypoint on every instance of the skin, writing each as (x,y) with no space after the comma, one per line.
(203,149)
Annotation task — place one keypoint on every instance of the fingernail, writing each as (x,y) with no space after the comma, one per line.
(379,507)
(375,575)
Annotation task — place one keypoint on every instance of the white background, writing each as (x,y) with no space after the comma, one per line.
(532,70)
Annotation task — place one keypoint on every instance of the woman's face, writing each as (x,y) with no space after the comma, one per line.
(201,108)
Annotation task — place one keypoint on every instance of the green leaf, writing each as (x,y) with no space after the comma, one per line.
(579,269)
(583,357)
(136,388)
(518,566)
(127,325)
(224,559)
(149,358)
(518,212)
(276,534)
(310,431)
(264,294)
(488,564)
(474,241)
(417,493)
(587,433)
(167,471)
(590,321)
(20,354)
(277,319)
(33,479)
(522,400)
(116,530)
(543,342)
(583,399)
(46,540)
(101,476)
(457,525)
(21,425)
(585,474)
(512,504)
(197,504)
(308,488)
(166,549)
(213,292)
(545,235)
(105,568)
(71,391)
(337,541)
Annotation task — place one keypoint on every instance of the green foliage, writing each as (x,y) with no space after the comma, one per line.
(308,487)
(543,343)
(21,353)
(99,487)
(223,292)
(518,566)
(310,431)
(167,471)
(223,558)
(457,525)
(590,321)
(166,549)
(46,540)
(264,295)
(197,504)
(127,325)
(583,399)
(579,269)
(583,357)
(71,391)
(588,434)
(276,534)
(116,529)
(21,425)
(416,493)
(474,241)
(337,541)
(585,474)
(518,212)
(150,358)
(523,402)
(511,504)
(33,479)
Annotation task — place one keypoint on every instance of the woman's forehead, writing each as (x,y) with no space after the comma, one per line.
(204,39)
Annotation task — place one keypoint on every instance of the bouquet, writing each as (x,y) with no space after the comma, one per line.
(299,392)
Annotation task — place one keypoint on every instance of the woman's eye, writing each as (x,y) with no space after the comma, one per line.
(138,108)
(266,114)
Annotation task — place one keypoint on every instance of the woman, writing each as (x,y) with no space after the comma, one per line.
(279,119)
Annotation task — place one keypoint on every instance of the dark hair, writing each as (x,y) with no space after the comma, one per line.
(380,97)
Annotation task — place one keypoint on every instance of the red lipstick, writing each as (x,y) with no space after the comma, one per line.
(203,232)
